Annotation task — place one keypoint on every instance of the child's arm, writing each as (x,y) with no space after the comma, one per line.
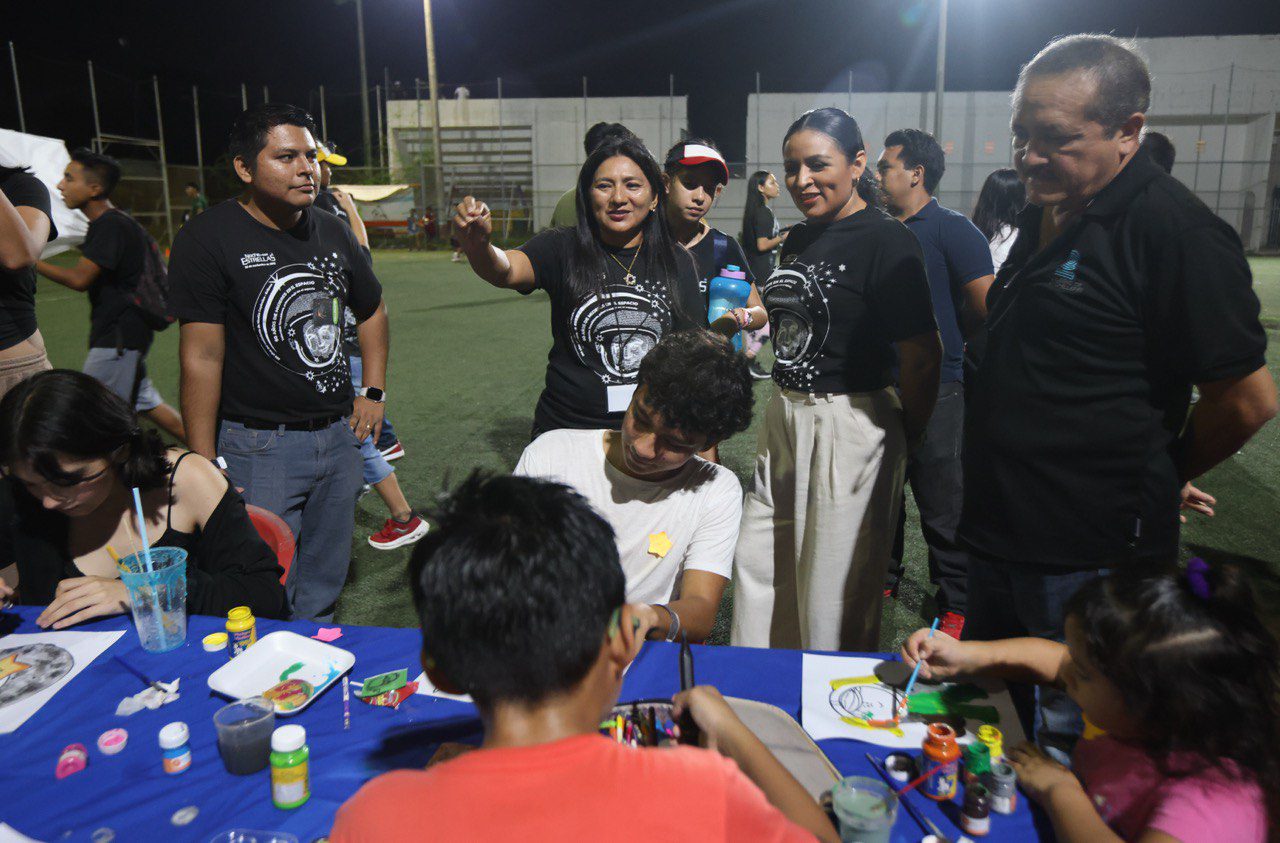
(726,733)
(1016,659)
(1060,793)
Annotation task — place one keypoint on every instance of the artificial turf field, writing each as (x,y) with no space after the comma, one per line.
(467,364)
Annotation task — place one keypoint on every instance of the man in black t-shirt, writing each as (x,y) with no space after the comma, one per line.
(259,284)
(958,262)
(114,255)
(1122,292)
(26,224)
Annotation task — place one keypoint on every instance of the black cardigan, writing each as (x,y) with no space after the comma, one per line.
(228,563)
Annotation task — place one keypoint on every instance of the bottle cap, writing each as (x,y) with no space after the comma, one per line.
(112,741)
(174,735)
(288,738)
(215,642)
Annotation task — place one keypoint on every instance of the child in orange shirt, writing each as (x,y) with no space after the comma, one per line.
(520,595)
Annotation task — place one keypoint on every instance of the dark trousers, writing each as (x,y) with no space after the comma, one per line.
(935,475)
(1016,600)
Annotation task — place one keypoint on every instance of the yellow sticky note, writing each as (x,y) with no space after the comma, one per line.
(659,544)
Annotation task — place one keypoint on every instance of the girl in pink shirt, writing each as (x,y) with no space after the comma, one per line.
(1179,682)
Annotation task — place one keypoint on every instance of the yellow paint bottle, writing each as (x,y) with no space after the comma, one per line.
(242,629)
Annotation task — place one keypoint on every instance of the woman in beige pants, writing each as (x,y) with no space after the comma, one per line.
(849,297)
(26,224)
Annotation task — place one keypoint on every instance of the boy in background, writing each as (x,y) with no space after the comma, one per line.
(520,595)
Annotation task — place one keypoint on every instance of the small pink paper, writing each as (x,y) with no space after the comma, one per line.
(328,633)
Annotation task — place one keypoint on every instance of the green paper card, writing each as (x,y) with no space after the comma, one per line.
(383,682)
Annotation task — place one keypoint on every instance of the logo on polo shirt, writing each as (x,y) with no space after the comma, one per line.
(254,259)
(1065,275)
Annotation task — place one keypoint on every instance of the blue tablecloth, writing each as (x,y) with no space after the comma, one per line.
(130,794)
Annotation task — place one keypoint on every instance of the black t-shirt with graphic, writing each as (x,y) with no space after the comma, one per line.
(325,200)
(118,245)
(842,294)
(280,295)
(598,341)
(18,286)
(709,263)
(761,223)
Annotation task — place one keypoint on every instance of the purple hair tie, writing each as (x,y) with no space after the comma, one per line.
(1198,578)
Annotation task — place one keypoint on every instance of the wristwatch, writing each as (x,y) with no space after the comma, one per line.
(220,462)
(674,629)
(373,394)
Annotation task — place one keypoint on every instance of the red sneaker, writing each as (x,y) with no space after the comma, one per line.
(395,452)
(395,534)
(952,624)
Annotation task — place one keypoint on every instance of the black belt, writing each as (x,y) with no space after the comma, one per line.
(264,424)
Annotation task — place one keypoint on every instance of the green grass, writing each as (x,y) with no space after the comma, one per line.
(468,364)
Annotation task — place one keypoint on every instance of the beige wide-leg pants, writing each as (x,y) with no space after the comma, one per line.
(818,522)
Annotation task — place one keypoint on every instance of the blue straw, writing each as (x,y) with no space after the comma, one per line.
(916,671)
(142,531)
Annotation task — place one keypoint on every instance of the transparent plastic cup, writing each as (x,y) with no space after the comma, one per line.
(158,596)
(865,808)
(244,735)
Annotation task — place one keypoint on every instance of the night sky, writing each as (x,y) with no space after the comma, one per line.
(539,48)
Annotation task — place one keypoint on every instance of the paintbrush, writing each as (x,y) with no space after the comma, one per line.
(689,731)
(911,683)
(926,825)
(138,673)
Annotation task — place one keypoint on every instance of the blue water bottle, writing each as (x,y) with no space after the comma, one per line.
(728,290)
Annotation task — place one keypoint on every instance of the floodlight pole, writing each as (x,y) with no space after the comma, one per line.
(324,118)
(377,101)
(195,107)
(244,97)
(941,69)
(364,81)
(164,163)
(435,107)
(93,97)
(266,95)
(17,88)
(1222,159)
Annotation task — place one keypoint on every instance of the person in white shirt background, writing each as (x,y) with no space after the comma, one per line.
(1001,198)
(675,515)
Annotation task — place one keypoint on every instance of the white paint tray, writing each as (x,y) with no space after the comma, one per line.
(261,666)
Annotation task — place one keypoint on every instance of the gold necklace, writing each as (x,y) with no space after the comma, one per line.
(629,279)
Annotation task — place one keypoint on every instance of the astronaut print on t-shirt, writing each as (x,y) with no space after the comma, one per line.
(799,318)
(298,318)
(612,333)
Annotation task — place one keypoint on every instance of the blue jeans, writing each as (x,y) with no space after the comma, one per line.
(1015,600)
(376,469)
(387,437)
(310,479)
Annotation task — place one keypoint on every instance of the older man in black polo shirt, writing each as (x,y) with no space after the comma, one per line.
(1122,291)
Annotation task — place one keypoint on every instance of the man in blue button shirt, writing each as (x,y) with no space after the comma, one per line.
(958,261)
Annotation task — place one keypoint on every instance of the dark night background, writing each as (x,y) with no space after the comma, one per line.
(538,48)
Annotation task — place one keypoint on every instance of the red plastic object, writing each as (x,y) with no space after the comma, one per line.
(275,533)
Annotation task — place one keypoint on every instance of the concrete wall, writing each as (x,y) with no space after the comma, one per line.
(558,126)
(1190,78)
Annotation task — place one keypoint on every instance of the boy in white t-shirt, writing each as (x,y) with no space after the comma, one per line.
(675,515)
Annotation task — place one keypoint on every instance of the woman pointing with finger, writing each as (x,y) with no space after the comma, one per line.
(618,283)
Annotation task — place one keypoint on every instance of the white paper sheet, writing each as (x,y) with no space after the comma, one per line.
(838,690)
(429,690)
(35,666)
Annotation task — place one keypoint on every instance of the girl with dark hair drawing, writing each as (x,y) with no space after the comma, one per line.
(848,300)
(1179,682)
(71,452)
(618,283)
(996,211)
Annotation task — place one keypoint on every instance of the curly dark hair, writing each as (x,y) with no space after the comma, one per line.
(699,384)
(1200,673)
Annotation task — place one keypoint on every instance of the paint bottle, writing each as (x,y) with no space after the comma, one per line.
(176,756)
(290,767)
(991,736)
(977,762)
(975,816)
(1002,783)
(242,628)
(940,747)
